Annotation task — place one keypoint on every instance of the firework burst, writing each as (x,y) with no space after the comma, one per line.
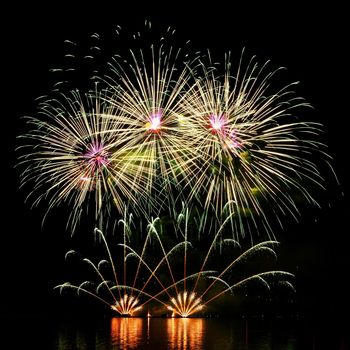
(254,151)
(73,159)
(147,89)
(164,127)
(117,143)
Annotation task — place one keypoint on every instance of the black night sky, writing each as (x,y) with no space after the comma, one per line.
(311,42)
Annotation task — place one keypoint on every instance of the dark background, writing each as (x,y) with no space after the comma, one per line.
(311,42)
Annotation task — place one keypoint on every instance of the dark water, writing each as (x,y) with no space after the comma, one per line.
(160,333)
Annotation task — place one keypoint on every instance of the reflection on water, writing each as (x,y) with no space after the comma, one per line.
(185,333)
(173,333)
(178,333)
(127,332)
(133,333)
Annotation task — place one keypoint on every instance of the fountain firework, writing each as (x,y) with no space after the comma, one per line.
(149,274)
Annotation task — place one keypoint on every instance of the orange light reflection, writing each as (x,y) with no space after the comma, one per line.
(185,333)
(126,332)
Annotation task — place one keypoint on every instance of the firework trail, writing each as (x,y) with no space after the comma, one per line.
(151,274)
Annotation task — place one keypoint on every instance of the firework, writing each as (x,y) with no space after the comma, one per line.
(147,88)
(163,127)
(73,159)
(256,156)
(117,143)
(153,272)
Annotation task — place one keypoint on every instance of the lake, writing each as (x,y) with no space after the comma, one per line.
(171,333)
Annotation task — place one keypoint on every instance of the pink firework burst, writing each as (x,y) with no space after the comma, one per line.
(218,124)
(97,156)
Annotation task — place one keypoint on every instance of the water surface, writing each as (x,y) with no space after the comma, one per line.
(172,333)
